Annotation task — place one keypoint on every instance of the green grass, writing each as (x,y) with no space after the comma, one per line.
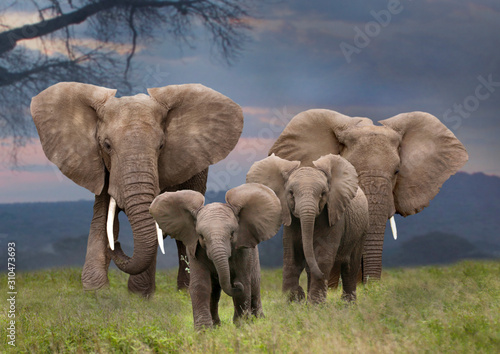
(454,309)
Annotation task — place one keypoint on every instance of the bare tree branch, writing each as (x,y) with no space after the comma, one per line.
(134,41)
(9,39)
(94,52)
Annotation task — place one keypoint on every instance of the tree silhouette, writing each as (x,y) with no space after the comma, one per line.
(94,41)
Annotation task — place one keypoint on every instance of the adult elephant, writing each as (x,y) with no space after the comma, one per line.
(125,151)
(325,217)
(401,164)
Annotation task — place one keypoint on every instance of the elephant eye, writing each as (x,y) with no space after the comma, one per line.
(232,235)
(107,145)
(397,171)
(323,194)
(291,193)
(161,146)
(201,237)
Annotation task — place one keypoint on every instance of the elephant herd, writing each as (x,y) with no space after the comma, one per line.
(333,181)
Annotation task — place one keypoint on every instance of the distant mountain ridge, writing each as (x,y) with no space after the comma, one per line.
(467,209)
(468,206)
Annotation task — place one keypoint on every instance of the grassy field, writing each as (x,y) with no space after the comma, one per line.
(431,309)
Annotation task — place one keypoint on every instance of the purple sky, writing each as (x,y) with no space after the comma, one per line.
(438,56)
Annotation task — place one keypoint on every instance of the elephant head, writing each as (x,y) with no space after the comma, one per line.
(401,165)
(252,214)
(134,147)
(304,192)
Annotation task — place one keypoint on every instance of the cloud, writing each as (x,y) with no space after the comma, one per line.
(427,58)
(256,111)
(34,178)
(232,171)
(16,18)
(57,46)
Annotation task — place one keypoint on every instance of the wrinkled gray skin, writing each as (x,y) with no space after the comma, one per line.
(130,149)
(222,245)
(401,164)
(326,218)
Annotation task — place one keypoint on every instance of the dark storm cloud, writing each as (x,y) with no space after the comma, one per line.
(418,55)
(429,55)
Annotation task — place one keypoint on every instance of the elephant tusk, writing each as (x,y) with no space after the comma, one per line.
(393,227)
(109,225)
(160,238)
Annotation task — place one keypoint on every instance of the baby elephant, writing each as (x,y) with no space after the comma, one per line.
(325,215)
(221,241)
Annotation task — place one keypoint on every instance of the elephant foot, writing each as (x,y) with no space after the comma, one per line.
(258,312)
(315,300)
(317,294)
(239,319)
(205,324)
(93,279)
(203,327)
(142,284)
(349,298)
(297,295)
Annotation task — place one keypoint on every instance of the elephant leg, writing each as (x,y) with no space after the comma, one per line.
(214,301)
(183,274)
(202,295)
(326,245)
(144,284)
(242,303)
(95,269)
(317,288)
(196,183)
(333,280)
(256,303)
(360,273)
(308,273)
(350,274)
(293,263)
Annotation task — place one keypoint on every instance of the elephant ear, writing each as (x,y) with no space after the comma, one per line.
(202,127)
(175,213)
(312,134)
(65,116)
(343,182)
(274,172)
(429,153)
(258,210)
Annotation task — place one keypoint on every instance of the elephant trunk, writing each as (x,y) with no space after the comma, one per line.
(378,192)
(221,261)
(137,196)
(307,215)
(372,256)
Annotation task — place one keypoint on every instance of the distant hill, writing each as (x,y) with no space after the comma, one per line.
(468,206)
(465,214)
(433,248)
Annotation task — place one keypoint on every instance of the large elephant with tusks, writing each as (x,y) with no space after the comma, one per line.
(401,164)
(126,151)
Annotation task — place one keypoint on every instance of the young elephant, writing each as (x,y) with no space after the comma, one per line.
(221,242)
(325,215)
